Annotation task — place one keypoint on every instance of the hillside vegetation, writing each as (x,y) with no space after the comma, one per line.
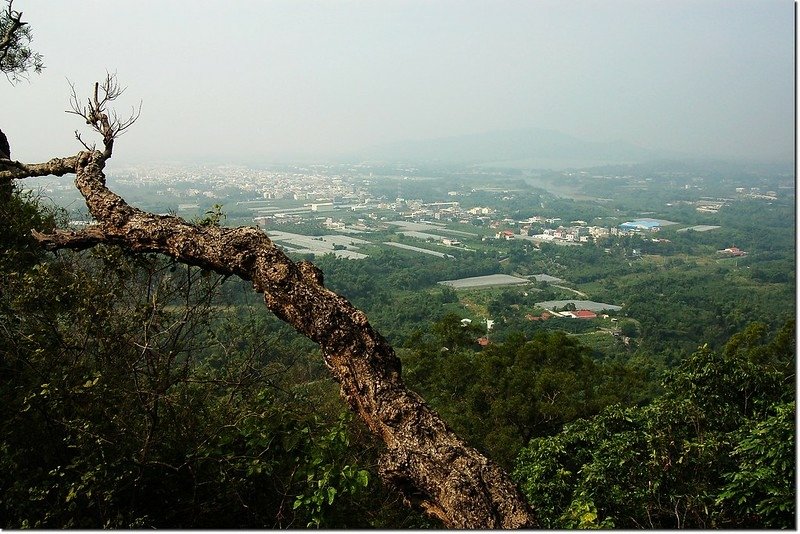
(140,392)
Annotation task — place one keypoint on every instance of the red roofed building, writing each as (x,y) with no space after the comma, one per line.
(733,251)
(583,314)
(505,234)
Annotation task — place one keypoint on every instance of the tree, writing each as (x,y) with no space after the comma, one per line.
(757,489)
(715,451)
(453,334)
(134,399)
(629,328)
(16,56)
(512,391)
(424,460)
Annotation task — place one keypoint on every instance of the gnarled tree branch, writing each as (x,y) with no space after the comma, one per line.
(11,170)
(430,465)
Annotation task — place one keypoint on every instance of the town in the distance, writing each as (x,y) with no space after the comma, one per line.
(568,242)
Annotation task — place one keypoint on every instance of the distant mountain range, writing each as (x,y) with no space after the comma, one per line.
(528,148)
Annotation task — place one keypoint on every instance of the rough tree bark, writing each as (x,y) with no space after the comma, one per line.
(431,466)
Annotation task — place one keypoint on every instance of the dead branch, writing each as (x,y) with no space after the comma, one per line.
(96,113)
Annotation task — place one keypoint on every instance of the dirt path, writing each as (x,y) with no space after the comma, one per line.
(580,293)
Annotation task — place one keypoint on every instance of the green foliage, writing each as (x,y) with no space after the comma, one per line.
(452,334)
(141,393)
(761,487)
(629,328)
(325,477)
(679,309)
(501,397)
(136,396)
(17,58)
(213,217)
(716,450)
(21,213)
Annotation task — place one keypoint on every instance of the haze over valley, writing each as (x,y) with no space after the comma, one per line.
(406,264)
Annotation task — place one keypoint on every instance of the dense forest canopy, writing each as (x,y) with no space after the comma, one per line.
(146,385)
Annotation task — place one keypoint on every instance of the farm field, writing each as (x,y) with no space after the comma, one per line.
(492,280)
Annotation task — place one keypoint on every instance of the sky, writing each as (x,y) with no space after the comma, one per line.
(276,80)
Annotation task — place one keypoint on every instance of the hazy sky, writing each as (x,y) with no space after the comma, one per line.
(250,80)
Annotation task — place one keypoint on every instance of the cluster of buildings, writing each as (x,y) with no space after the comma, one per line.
(734,252)
(322,185)
(755,192)
(344,198)
(571,314)
(578,231)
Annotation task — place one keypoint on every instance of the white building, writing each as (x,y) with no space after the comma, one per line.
(322,206)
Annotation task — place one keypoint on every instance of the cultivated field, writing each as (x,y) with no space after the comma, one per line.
(492,280)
